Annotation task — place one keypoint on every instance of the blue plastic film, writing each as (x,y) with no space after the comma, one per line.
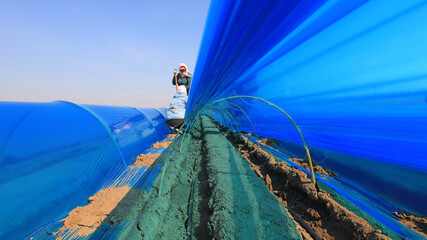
(53,156)
(351,74)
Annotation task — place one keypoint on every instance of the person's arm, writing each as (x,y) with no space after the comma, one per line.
(174,78)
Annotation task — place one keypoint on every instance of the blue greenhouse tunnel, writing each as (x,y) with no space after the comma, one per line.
(351,74)
(53,156)
(353,78)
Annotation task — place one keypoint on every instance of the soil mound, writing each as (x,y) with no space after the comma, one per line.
(416,223)
(242,206)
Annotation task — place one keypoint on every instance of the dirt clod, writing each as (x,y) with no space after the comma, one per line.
(313,214)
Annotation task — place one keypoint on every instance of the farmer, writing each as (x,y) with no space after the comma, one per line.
(183,77)
(176,111)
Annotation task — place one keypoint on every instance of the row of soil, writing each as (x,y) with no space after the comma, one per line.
(208,192)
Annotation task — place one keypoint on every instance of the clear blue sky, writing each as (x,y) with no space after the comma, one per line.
(97,52)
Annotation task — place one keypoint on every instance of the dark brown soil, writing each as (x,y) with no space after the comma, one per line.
(317,168)
(271,142)
(416,223)
(315,207)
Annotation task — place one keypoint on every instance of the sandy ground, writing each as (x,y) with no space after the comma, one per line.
(164,144)
(146,159)
(85,220)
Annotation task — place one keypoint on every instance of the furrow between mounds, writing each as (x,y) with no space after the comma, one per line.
(202,194)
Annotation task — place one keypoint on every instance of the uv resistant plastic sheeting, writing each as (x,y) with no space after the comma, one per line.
(351,73)
(53,156)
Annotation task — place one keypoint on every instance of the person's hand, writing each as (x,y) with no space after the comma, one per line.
(174,71)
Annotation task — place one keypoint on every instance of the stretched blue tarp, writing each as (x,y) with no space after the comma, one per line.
(53,156)
(352,74)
